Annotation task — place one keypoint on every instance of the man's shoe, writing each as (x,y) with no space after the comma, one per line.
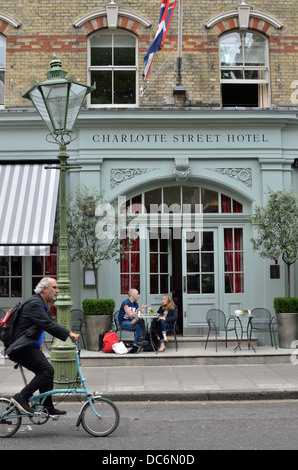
(22,404)
(54,411)
(143,343)
(134,350)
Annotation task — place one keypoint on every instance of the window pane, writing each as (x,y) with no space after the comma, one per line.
(208,284)
(154,263)
(164,284)
(230,50)
(193,265)
(232,74)
(124,279)
(255,74)
(254,49)
(154,284)
(4,265)
(152,197)
(4,288)
(207,244)
(101,50)
(171,195)
(125,87)
(209,200)
(225,204)
(193,284)
(2,87)
(16,287)
(237,206)
(207,262)
(124,50)
(191,195)
(164,263)
(2,51)
(16,266)
(103,92)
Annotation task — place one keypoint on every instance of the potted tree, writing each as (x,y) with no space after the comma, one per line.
(98,314)
(91,249)
(277,228)
(287,317)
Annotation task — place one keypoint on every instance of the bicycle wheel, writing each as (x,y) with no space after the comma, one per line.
(11,423)
(107,421)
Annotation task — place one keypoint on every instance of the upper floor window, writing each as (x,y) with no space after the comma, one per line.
(113,67)
(2,69)
(244,70)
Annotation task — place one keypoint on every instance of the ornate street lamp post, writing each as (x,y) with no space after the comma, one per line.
(58,101)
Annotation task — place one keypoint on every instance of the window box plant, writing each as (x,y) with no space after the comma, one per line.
(98,314)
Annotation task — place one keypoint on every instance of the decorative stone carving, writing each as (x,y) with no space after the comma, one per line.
(119,175)
(244,175)
(181,169)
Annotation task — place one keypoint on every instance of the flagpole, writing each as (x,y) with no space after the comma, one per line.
(179,62)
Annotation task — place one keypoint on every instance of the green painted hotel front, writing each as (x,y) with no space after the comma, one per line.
(190,178)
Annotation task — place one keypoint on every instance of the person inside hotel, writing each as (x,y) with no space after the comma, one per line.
(168,314)
(128,319)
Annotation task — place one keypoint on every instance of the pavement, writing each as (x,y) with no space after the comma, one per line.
(217,381)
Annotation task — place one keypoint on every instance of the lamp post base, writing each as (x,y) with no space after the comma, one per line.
(64,364)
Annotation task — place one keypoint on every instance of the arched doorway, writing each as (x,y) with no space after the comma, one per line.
(190,244)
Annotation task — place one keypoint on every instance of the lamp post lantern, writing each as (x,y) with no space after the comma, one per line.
(58,101)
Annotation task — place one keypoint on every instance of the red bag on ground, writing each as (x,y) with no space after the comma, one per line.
(109,339)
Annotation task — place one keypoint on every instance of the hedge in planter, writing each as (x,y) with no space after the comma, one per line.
(286,304)
(98,306)
(98,314)
(286,309)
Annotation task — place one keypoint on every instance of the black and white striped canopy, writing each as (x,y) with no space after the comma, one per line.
(28,201)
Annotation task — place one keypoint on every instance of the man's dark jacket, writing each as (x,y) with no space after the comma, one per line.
(32,321)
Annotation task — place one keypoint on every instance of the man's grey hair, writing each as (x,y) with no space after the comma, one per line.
(40,285)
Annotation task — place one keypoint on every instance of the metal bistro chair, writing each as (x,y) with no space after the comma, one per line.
(263,321)
(217,322)
(173,329)
(78,323)
(115,324)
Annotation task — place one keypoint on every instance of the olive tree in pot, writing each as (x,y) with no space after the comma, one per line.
(276,225)
(90,240)
(98,314)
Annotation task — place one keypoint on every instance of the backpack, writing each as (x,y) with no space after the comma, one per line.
(7,324)
(109,339)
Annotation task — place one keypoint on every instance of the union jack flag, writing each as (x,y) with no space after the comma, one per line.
(166,12)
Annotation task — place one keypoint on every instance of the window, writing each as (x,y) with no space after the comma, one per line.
(112,66)
(2,69)
(130,266)
(244,71)
(10,276)
(159,265)
(200,266)
(233,256)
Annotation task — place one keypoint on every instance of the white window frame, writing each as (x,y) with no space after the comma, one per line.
(264,100)
(3,69)
(113,68)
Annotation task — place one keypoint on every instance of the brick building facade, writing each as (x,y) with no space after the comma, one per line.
(218,131)
(33,32)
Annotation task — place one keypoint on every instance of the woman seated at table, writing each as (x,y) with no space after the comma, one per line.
(168,314)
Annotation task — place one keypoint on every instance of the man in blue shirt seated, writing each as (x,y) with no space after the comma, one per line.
(128,319)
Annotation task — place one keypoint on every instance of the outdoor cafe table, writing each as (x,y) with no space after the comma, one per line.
(148,319)
(240,318)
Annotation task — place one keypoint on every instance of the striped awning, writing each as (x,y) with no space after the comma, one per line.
(28,201)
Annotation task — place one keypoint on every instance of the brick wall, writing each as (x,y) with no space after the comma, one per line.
(47,27)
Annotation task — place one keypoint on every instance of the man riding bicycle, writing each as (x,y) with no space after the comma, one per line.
(34,319)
